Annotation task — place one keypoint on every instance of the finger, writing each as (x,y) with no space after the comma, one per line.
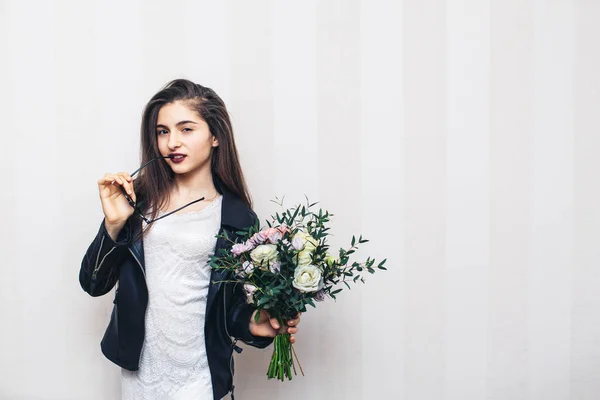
(126,183)
(131,192)
(107,178)
(126,176)
(274,323)
(292,330)
(292,340)
(282,330)
(293,322)
(133,196)
(113,178)
(123,176)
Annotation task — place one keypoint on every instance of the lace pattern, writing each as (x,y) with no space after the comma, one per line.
(173,362)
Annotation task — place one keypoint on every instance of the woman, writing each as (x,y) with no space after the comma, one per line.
(155,242)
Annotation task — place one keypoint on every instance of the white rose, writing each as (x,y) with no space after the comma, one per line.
(308,279)
(265,253)
(304,241)
(304,259)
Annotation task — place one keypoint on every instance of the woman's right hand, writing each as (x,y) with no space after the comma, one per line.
(115,206)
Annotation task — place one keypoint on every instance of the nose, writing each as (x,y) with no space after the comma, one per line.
(174,141)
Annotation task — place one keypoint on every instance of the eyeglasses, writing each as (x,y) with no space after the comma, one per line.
(137,209)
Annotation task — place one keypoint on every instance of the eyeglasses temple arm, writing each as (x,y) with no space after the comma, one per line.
(180,208)
(154,159)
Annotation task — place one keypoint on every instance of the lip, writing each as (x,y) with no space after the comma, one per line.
(177,160)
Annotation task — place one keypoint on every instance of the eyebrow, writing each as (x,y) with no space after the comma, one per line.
(177,124)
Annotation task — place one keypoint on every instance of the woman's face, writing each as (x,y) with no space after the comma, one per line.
(180,131)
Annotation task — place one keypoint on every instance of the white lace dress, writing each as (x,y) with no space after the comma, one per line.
(173,362)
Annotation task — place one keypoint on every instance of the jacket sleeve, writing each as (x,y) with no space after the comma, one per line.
(240,312)
(100,265)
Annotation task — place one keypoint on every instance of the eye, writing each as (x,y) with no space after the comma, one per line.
(162,131)
(187,129)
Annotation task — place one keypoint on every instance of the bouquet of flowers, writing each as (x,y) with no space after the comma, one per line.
(286,266)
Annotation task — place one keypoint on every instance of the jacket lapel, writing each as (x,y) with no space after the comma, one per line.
(235,215)
(137,247)
(138,250)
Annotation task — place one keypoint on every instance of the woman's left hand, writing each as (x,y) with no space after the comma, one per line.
(269,327)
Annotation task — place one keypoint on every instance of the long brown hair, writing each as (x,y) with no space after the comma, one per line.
(153,184)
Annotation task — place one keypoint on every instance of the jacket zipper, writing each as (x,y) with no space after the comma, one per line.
(97,267)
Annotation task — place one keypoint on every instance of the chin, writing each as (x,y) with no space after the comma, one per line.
(185,169)
(181,170)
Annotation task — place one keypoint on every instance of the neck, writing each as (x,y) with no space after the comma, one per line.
(195,184)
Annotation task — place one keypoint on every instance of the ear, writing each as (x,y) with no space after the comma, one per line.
(215,142)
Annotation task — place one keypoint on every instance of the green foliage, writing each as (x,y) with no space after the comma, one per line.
(274,286)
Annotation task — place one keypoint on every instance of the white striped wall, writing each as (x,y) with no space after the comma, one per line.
(460,136)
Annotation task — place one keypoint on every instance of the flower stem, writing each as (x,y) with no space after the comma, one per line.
(282,360)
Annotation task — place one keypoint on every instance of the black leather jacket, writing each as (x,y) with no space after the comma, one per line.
(107,263)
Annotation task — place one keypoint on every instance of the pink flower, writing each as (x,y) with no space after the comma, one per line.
(240,248)
(298,243)
(247,267)
(275,236)
(275,267)
(320,295)
(258,238)
(249,288)
(283,228)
